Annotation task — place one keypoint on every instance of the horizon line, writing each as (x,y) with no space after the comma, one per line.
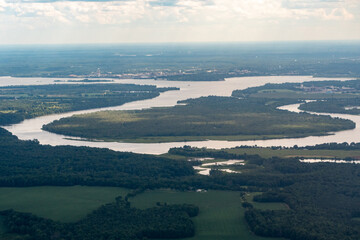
(184,42)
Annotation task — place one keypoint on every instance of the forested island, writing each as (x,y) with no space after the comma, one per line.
(328,96)
(219,118)
(22,102)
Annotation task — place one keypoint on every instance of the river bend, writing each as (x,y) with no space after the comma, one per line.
(31,128)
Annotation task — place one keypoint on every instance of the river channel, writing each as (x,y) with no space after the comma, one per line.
(31,128)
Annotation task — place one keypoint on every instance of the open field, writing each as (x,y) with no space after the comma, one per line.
(65,204)
(221,215)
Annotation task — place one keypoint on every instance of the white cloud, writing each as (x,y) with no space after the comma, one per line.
(209,15)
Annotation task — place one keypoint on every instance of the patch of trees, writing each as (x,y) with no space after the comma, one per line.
(323,200)
(22,102)
(333,146)
(189,151)
(334,105)
(345,89)
(116,220)
(300,225)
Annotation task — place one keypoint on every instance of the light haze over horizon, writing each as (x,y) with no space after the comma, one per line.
(154,21)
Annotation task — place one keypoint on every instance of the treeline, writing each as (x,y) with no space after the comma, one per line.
(21,102)
(334,105)
(207,117)
(189,151)
(348,88)
(333,146)
(116,220)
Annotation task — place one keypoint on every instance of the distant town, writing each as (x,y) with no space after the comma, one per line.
(164,73)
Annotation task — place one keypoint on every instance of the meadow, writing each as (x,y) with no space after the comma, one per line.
(221,214)
(65,204)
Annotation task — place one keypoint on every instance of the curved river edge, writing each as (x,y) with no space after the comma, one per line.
(31,128)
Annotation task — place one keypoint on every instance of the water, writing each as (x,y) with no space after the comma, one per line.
(204,169)
(315,160)
(31,128)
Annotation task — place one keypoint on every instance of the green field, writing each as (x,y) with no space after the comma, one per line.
(221,215)
(66,204)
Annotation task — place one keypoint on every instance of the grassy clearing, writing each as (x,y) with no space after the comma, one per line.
(66,204)
(221,215)
(265,206)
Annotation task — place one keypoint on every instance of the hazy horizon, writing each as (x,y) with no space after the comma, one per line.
(177,21)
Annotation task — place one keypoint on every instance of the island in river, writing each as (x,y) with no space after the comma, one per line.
(216,118)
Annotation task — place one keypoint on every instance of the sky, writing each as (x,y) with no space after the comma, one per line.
(147,21)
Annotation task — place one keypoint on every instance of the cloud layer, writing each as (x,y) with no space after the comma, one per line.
(176,20)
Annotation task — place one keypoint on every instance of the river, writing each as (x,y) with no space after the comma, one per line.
(31,128)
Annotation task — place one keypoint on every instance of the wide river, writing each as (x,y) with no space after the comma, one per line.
(31,128)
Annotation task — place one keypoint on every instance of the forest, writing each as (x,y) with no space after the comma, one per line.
(22,102)
(27,163)
(320,196)
(225,118)
(323,199)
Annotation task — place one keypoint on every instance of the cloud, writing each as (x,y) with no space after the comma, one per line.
(309,4)
(163,16)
